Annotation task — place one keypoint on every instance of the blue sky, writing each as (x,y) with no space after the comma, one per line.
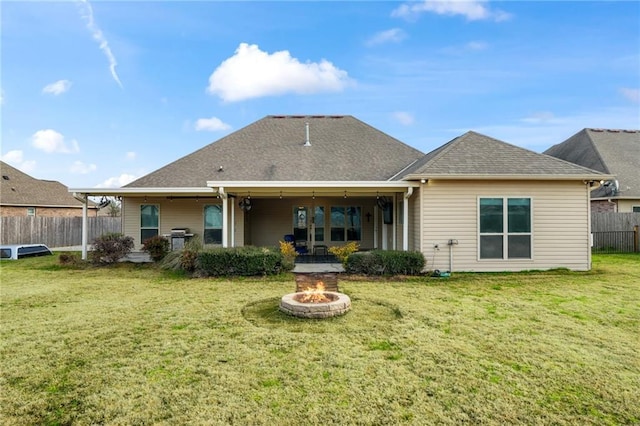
(99,93)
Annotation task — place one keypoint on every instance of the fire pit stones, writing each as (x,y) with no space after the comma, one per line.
(337,304)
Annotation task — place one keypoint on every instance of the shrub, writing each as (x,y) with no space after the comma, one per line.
(343,252)
(157,247)
(110,247)
(386,262)
(289,254)
(239,261)
(69,259)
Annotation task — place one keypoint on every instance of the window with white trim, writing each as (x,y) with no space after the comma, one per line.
(213,224)
(635,209)
(346,223)
(31,211)
(504,227)
(149,221)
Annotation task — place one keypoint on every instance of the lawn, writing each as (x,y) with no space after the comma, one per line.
(134,345)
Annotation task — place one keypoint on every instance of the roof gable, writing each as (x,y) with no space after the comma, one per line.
(18,188)
(614,152)
(342,148)
(474,154)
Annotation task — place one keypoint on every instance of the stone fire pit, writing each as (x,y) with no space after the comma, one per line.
(332,304)
(316,293)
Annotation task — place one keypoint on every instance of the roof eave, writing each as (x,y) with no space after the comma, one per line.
(142,191)
(587,177)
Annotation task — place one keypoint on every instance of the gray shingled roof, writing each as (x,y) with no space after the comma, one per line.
(615,152)
(272,149)
(474,154)
(18,188)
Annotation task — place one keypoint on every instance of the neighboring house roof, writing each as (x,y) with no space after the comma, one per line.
(20,189)
(342,148)
(474,155)
(615,152)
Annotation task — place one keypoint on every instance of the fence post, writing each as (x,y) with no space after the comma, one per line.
(636,239)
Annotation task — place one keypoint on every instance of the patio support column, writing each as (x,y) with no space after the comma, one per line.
(394,244)
(85,226)
(225,217)
(405,219)
(233,225)
(375,228)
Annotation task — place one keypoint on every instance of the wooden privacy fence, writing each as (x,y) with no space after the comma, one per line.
(615,232)
(54,231)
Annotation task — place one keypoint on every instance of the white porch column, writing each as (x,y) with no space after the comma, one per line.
(85,225)
(394,244)
(225,217)
(405,219)
(233,225)
(375,227)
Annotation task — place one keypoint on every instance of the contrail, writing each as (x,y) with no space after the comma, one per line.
(96,32)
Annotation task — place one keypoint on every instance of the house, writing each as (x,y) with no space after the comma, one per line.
(474,204)
(615,152)
(23,195)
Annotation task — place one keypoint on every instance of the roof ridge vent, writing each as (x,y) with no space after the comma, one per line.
(306,141)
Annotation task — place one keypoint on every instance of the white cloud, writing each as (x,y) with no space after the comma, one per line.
(78,167)
(16,158)
(130,156)
(212,124)
(394,35)
(541,117)
(477,45)
(404,118)
(472,10)
(631,94)
(117,181)
(96,32)
(252,73)
(51,141)
(57,88)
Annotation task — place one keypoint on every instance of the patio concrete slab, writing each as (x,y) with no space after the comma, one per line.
(309,268)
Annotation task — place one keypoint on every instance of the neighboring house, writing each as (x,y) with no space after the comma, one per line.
(474,204)
(23,195)
(615,152)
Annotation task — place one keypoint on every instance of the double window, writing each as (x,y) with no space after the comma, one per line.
(505,228)
(213,224)
(346,223)
(149,221)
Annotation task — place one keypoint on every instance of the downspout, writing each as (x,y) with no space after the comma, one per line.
(225,217)
(405,215)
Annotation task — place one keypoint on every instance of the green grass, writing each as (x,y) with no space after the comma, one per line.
(133,345)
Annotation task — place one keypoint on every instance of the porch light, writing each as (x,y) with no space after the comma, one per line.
(345,194)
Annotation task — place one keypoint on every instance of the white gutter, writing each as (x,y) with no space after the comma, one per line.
(594,177)
(313,184)
(148,191)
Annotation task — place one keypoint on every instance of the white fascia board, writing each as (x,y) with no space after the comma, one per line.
(312,184)
(142,191)
(585,177)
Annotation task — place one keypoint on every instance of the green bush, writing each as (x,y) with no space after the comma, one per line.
(386,262)
(238,261)
(110,247)
(157,247)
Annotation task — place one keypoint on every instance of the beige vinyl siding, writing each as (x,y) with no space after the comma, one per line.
(271,219)
(414,220)
(626,206)
(560,224)
(176,213)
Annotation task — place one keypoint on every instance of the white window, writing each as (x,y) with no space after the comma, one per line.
(149,221)
(31,211)
(635,209)
(346,223)
(504,228)
(213,224)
